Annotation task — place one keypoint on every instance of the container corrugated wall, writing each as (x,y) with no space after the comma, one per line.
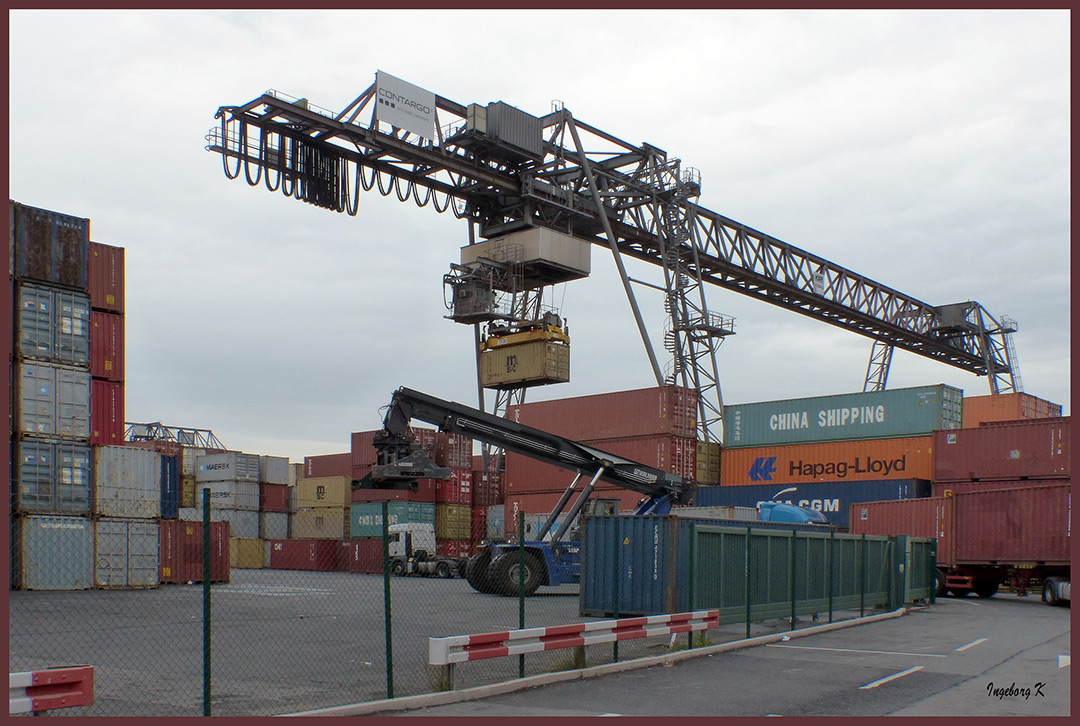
(895,413)
(869,460)
(53,401)
(1022,526)
(107,346)
(105,277)
(1037,448)
(127,482)
(1007,407)
(106,413)
(665,410)
(54,552)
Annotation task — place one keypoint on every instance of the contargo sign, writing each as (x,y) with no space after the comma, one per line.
(404,105)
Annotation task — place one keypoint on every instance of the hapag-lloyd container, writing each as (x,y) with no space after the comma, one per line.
(180,551)
(49,246)
(127,482)
(227,466)
(106,346)
(1007,407)
(52,477)
(900,412)
(105,277)
(54,552)
(864,460)
(833,498)
(661,411)
(126,553)
(1036,448)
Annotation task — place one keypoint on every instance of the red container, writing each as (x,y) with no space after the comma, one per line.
(479,523)
(457,548)
(321,555)
(107,415)
(661,411)
(328,465)
(180,551)
(1034,449)
(453,450)
(949,488)
(455,490)
(273,498)
(487,488)
(105,277)
(106,346)
(366,556)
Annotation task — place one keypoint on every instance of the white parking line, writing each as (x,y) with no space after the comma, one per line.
(850,650)
(893,677)
(972,644)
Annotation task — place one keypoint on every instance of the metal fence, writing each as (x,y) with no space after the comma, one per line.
(276,641)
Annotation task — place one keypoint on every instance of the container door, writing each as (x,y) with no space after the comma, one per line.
(73,403)
(35,322)
(37,399)
(110,568)
(142,554)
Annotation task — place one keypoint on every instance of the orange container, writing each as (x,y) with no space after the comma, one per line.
(1007,407)
(867,460)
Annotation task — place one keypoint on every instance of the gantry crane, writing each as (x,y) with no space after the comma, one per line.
(505,171)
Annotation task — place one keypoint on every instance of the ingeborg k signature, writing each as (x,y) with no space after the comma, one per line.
(1011,691)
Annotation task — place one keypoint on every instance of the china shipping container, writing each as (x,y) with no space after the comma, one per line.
(366,520)
(126,553)
(107,346)
(105,277)
(52,324)
(833,499)
(180,551)
(273,525)
(1007,407)
(324,491)
(227,466)
(274,498)
(328,465)
(53,400)
(894,413)
(54,552)
(660,411)
(321,555)
(106,413)
(273,470)
(321,522)
(127,482)
(868,459)
(48,246)
(1036,448)
(52,477)
(986,536)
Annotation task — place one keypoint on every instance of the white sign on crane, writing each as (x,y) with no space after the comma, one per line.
(404,105)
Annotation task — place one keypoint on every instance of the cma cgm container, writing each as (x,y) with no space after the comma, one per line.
(49,246)
(867,460)
(901,412)
(985,537)
(1038,449)
(126,553)
(54,552)
(833,499)
(180,551)
(52,477)
(1007,407)
(661,411)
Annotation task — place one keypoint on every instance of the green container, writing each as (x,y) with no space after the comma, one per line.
(365,518)
(902,412)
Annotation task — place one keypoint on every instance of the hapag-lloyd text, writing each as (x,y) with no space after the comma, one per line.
(840,469)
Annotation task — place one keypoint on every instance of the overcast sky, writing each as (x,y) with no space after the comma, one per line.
(926,150)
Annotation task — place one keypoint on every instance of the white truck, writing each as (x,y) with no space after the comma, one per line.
(411,547)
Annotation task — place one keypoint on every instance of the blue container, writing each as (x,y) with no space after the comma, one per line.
(653,555)
(52,477)
(833,499)
(170,487)
(54,552)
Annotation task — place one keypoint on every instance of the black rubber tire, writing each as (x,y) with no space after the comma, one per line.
(443,570)
(986,588)
(939,583)
(1048,596)
(397,567)
(504,573)
(476,572)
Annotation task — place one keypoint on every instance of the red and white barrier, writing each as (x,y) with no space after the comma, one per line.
(39,691)
(462,648)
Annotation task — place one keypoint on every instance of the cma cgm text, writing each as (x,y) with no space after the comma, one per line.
(853,415)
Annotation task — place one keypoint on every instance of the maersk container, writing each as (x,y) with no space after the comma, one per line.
(54,552)
(1035,448)
(895,413)
(105,277)
(126,553)
(52,477)
(49,246)
(229,495)
(54,400)
(833,499)
(127,482)
(653,561)
(227,466)
(366,520)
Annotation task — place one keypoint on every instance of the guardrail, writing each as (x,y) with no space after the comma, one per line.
(39,691)
(446,652)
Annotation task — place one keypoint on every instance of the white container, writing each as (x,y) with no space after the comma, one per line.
(229,495)
(227,466)
(273,470)
(126,553)
(273,525)
(127,482)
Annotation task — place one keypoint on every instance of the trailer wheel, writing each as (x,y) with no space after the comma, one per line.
(986,588)
(442,569)
(476,572)
(397,567)
(1049,595)
(505,573)
(939,582)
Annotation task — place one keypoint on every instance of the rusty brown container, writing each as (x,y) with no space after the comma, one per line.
(1022,526)
(660,411)
(865,460)
(106,346)
(951,488)
(107,413)
(328,465)
(1033,449)
(1007,407)
(105,276)
(930,518)
(366,555)
(49,246)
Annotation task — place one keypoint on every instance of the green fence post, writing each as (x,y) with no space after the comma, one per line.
(690,581)
(387,629)
(791,578)
(521,584)
(747,586)
(615,579)
(206,600)
(832,556)
(862,580)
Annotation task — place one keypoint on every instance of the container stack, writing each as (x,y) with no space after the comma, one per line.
(107,343)
(50,483)
(1007,407)
(828,452)
(653,426)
